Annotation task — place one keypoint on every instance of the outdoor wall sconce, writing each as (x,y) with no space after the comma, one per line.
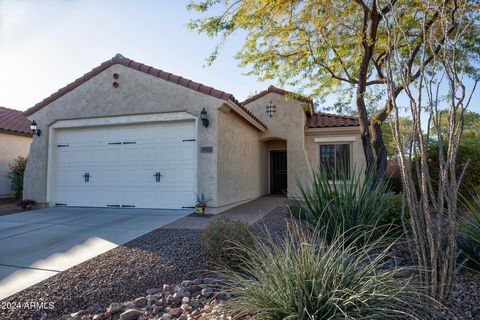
(203,117)
(35,130)
(271,109)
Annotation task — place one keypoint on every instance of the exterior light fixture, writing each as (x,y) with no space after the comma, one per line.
(35,130)
(271,109)
(203,117)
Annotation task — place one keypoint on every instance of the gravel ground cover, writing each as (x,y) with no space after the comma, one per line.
(161,256)
(120,284)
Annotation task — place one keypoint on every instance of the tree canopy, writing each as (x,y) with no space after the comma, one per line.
(324,46)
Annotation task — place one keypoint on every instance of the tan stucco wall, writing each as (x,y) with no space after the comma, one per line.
(336,135)
(241,160)
(287,123)
(11,147)
(138,93)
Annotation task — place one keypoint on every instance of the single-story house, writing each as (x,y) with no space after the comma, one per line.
(129,135)
(15,140)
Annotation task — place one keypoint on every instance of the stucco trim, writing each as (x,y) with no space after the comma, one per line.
(282,92)
(244,115)
(332,130)
(335,139)
(15,133)
(121,60)
(118,120)
(107,121)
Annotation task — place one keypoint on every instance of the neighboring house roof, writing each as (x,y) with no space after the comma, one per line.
(14,121)
(273,89)
(326,120)
(119,59)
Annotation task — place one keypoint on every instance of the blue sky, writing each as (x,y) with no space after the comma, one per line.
(44,45)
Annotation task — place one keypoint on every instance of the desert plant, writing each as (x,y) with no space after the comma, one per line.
(26,204)
(304,277)
(17,170)
(340,205)
(219,237)
(469,240)
(202,199)
(434,80)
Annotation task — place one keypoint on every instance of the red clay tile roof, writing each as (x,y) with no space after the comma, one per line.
(326,120)
(273,89)
(14,121)
(119,59)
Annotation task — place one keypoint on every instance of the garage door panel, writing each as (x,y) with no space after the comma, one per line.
(122,162)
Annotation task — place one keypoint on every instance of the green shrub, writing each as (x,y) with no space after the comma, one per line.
(468,153)
(303,277)
(17,170)
(469,239)
(221,236)
(342,205)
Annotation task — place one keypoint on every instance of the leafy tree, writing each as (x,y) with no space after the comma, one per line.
(323,45)
(471,126)
(406,131)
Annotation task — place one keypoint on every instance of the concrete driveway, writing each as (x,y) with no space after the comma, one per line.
(35,245)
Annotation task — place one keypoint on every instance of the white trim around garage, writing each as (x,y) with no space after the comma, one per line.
(110,121)
(335,139)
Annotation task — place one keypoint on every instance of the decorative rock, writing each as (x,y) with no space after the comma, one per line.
(114,308)
(176,312)
(195,303)
(197,281)
(102,316)
(181,293)
(95,308)
(140,302)
(193,288)
(186,307)
(170,298)
(166,287)
(207,292)
(153,290)
(157,310)
(130,314)
(186,283)
(181,303)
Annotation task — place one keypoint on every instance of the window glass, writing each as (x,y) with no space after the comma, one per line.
(335,160)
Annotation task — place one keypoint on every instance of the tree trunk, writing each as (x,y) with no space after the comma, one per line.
(364,130)
(380,151)
(371,19)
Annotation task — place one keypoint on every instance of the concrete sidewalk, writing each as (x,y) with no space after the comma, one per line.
(35,245)
(249,212)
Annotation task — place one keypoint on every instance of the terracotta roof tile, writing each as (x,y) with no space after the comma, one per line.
(119,59)
(14,121)
(326,120)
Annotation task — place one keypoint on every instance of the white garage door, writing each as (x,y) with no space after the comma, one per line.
(143,166)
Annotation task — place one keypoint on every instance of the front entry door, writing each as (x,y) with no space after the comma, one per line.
(278,172)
